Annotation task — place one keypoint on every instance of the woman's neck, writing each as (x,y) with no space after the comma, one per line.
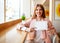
(39,18)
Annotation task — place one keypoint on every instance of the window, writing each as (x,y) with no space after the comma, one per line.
(12,10)
(1,11)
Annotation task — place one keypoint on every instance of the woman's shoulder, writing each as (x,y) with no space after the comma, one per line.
(46,19)
(29,20)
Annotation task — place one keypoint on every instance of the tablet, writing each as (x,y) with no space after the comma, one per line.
(40,25)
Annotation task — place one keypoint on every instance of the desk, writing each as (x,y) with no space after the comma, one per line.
(12,35)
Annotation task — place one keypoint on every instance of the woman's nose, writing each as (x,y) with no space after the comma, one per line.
(38,10)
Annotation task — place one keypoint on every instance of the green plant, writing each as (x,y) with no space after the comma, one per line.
(23,17)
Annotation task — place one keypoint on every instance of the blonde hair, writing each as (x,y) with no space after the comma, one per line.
(43,14)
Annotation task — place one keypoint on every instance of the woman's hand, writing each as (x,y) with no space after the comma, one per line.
(51,32)
(32,29)
(31,34)
(43,34)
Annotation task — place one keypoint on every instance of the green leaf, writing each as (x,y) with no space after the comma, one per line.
(23,17)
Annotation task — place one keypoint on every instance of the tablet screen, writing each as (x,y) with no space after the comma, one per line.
(41,25)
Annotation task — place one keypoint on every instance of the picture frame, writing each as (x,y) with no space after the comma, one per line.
(57,9)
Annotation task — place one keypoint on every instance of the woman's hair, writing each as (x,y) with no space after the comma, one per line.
(43,14)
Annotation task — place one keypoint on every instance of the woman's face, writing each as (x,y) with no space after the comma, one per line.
(39,11)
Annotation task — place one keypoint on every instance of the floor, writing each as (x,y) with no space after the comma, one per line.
(12,35)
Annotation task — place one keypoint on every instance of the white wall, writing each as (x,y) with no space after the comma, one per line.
(1,11)
(55,22)
(39,1)
(25,8)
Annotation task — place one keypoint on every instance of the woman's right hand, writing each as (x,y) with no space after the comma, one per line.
(32,34)
(32,29)
(43,34)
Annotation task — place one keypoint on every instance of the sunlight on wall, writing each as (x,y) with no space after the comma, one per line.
(39,1)
(50,9)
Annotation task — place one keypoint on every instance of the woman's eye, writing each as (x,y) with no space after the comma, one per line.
(36,9)
(40,9)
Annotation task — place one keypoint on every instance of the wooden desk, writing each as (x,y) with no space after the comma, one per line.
(12,35)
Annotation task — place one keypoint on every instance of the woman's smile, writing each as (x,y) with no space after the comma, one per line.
(39,11)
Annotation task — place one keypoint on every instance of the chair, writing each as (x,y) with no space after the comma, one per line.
(55,39)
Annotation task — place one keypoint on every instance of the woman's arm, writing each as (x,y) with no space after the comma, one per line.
(51,28)
(24,25)
(27,23)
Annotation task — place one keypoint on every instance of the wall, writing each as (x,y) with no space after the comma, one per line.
(39,1)
(25,8)
(56,23)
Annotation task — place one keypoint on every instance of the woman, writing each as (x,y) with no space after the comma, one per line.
(37,36)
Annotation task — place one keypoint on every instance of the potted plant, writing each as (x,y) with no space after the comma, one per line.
(23,18)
